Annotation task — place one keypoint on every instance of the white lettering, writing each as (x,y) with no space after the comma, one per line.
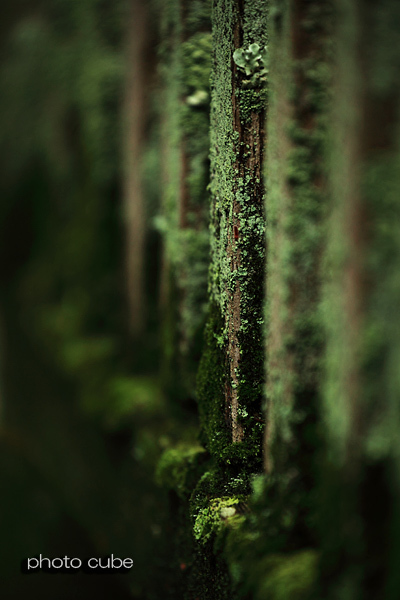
(41,560)
(29,563)
(79,561)
(90,560)
(107,566)
(113,565)
(128,566)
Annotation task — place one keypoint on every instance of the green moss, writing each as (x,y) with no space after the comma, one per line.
(251,101)
(210,389)
(220,513)
(255,18)
(233,184)
(210,386)
(296,208)
(261,552)
(179,468)
(185,69)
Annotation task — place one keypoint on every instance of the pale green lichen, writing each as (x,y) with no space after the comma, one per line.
(220,513)
(253,63)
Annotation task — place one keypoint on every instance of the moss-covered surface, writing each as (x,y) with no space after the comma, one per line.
(237,243)
(184,113)
(230,375)
(308,528)
(296,206)
(274,552)
(178,468)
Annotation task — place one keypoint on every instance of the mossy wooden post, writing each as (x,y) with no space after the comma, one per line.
(296,204)
(231,372)
(361,515)
(185,69)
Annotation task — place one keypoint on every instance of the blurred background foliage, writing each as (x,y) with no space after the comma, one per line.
(61,85)
(87,402)
(77,395)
